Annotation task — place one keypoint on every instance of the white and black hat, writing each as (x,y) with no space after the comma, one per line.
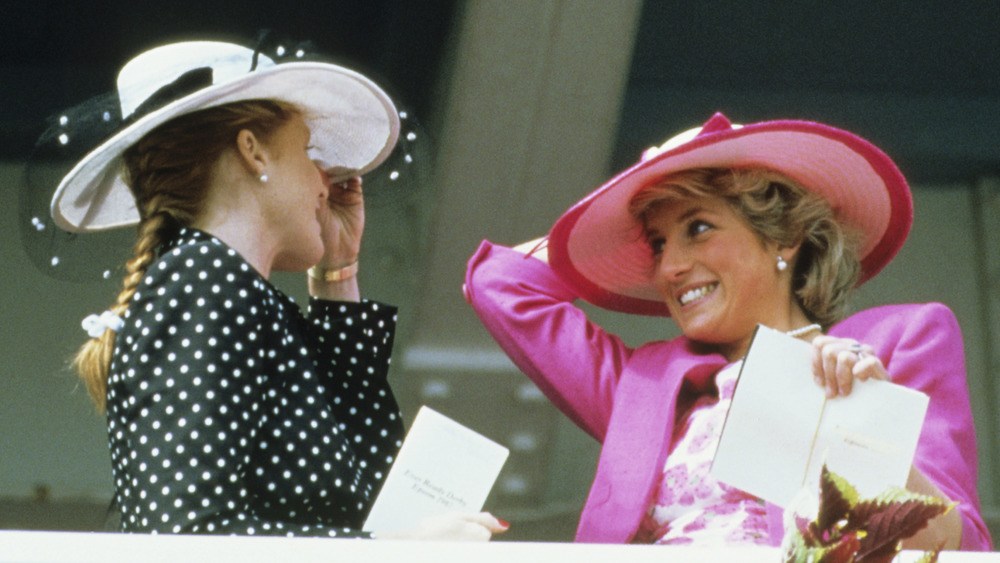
(354,123)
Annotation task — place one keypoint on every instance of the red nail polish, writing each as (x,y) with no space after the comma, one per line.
(504,523)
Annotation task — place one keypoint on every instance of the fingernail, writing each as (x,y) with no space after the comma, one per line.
(504,523)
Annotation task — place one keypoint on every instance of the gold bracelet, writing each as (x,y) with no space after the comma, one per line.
(340,274)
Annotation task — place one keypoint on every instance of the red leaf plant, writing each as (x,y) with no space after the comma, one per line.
(851,529)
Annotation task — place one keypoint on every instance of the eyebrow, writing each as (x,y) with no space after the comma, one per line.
(690,212)
(683,217)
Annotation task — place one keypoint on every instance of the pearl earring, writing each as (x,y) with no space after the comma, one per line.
(782,265)
(263,177)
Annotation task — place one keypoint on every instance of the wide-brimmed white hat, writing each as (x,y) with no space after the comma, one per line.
(598,247)
(353,122)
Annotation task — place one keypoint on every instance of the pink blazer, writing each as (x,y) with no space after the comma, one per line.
(626,397)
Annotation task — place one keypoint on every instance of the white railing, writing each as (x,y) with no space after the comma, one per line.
(83,547)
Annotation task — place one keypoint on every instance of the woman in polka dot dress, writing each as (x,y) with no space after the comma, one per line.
(230,411)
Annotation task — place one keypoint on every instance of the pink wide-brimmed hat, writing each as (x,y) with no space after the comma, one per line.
(599,248)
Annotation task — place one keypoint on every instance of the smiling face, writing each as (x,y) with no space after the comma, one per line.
(716,275)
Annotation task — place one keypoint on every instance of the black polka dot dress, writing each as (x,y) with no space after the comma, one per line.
(229,412)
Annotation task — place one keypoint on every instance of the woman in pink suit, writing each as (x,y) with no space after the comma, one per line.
(724,228)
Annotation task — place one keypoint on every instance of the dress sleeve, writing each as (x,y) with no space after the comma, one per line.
(353,343)
(921,347)
(530,313)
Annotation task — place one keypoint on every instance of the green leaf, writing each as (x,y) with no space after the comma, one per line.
(840,552)
(837,499)
(848,528)
(893,517)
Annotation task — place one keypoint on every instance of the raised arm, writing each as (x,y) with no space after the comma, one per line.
(530,313)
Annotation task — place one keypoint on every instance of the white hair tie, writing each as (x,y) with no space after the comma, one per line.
(95,325)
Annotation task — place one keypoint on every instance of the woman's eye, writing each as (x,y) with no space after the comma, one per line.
(698,227)
(656,245)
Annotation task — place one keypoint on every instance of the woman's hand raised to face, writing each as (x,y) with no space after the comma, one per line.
(837,362)
(342,223)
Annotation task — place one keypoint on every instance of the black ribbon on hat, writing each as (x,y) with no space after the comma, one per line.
(187,83)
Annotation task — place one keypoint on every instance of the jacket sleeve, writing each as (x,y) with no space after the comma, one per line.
(921,347)
(352,344)
(530,313)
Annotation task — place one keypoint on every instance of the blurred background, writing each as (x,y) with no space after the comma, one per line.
(518,108)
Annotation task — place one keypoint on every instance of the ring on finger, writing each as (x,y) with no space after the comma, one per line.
(857,349)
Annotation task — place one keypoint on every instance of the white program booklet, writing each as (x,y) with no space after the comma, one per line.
(781,428)
(442,467)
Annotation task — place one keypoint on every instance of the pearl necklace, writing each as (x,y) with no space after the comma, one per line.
(803,331)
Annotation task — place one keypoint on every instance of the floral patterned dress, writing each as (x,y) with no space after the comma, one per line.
(690,507)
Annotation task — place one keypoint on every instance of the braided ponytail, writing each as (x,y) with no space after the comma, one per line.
(169,171)
(94,357)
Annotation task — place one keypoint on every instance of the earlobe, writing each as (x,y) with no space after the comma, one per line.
(790,252)
(251,152)
(786,254)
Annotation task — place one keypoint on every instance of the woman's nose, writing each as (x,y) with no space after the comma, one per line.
(673,263)
(324,178)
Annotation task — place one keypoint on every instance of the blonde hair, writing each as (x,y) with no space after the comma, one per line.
(168,171)
(780,210)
